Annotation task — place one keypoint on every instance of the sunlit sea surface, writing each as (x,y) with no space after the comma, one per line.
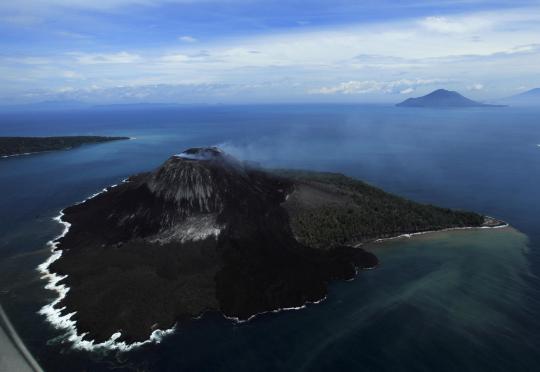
(465,300)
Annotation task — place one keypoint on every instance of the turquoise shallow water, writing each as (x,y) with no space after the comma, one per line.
(453,301)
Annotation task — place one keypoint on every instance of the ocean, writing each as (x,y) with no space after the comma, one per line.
(464,300)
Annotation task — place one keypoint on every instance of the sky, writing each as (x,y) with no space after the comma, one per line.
(262,51)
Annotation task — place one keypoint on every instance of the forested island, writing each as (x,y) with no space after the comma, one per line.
(12,146)
(327,209)
(206,232)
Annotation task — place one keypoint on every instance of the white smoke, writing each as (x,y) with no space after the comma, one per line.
(201,153)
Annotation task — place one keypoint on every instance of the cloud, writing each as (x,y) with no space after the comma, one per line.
(71,75)
(166,93)
(187,39)
(337,60)
(174,58)
(105,58)
(72,35)
(403,86)
(476,86)
(201,56)
(460,25)
(64,89)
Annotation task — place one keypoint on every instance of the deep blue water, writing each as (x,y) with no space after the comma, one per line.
(462,301)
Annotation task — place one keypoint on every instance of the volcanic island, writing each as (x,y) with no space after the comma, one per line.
(205,232)
(17,146)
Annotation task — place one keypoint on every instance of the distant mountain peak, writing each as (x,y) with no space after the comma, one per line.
(444,92)
(530,97)
(441,90)
(442,98)
(533,91)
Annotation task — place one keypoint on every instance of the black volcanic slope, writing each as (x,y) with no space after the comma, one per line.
(204,232)
(442,98)
(22,145)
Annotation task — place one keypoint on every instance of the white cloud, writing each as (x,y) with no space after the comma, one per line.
(70,74)
(72,35)
(476,86)
(143,93)
(105,58)
(187,39)
(368,58)
(373,86)
(458,25)
(174,58)
(64,89)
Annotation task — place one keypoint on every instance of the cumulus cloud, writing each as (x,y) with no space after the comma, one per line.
(187,39)
(476,86)
(403,86)
(70,74)
(105,58)
(459,25)
(174,58)
(383,56)
(165,93)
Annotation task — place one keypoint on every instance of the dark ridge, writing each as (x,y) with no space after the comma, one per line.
(204,232)
(11,146)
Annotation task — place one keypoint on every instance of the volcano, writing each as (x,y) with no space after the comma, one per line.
(206,232)
(443,98)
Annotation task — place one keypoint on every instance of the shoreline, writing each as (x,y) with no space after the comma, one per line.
(23,154)
(278,310)
(412,235)
(60,149)
(64,322)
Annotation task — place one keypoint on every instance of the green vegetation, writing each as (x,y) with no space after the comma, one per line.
(328,209)
(23,145)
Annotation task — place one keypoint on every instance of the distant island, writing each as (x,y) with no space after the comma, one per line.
(206,232)
(443,98)
(13,146)
(528,98)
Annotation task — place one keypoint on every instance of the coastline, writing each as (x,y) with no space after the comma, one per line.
(64,322)
(51,150)
(278,310)
(411,235)
(23,154)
